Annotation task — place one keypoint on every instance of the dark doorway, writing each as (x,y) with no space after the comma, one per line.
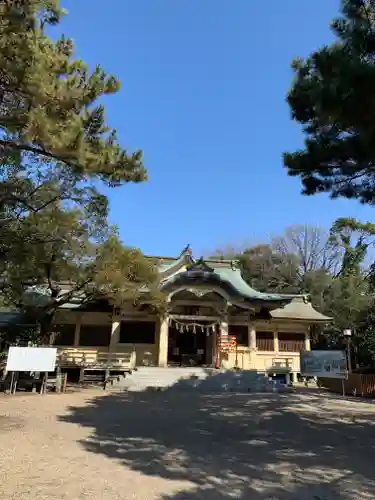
(187,348)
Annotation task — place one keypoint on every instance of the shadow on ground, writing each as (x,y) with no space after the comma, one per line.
(255,446)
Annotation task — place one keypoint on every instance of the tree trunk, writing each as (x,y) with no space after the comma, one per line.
(46,323)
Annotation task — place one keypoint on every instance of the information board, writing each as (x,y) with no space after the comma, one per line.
(329,364)
(227,343)
(31,359)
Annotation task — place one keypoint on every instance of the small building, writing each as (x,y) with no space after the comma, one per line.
(208,300)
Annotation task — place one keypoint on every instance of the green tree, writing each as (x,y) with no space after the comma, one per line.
(81,258)
(54,141)
(331,97)
(349,299)
(268,270)
(49,100)
(346,229)
(56,149)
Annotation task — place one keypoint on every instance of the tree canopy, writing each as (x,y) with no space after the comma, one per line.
(49,100)
(332,98)
(56,150)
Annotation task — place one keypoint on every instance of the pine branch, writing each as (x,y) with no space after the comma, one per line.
(11,145)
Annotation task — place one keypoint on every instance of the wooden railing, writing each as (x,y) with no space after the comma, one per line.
(265,344)
(278,363)
(95,358)
(291,345)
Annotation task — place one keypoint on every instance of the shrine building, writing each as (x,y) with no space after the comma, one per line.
(208,302)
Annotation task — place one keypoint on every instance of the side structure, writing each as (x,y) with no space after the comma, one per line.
(206,299)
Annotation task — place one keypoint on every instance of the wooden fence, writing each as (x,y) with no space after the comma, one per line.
(264,344)
(356,385)
(291,345)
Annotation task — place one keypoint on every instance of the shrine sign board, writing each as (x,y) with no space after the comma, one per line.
(227,343)
(328,364)
(31,359)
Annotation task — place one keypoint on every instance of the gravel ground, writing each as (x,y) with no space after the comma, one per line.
(181,446)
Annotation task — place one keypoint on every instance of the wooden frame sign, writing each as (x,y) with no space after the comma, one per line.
(227,343)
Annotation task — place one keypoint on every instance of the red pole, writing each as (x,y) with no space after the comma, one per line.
(217,363)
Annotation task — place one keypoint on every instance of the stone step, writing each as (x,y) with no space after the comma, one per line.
(201,379)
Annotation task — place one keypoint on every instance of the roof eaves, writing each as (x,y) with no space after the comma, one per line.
(300,309)
(234,277)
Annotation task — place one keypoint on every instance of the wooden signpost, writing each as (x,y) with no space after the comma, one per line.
(227,343)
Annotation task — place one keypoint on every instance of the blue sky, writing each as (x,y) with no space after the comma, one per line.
(203,95)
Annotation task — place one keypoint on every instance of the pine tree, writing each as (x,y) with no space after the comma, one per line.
(48,100)
(55,146)
(332,96)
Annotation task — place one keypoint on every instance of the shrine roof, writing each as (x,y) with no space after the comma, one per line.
(234,277)
(225,272)
(187,269)
(300,308)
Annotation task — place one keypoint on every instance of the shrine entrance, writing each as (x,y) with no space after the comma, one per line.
(194,320)
(189,345)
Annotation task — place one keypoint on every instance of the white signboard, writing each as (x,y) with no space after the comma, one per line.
(31,359)
(330,364)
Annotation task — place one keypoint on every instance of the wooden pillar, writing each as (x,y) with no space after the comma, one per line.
(115,331)
(252,336)
(252,343)
(307,341)
(275,340)
(77,330)
(163,341)
(224,329)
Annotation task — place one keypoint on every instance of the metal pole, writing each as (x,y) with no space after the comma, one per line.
(11,384)
(349,355)
(58,379)
(16,377)
(343,387)
(44,385)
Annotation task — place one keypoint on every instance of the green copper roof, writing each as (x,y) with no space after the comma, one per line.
(233,276)
(189,272)
(299,308)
